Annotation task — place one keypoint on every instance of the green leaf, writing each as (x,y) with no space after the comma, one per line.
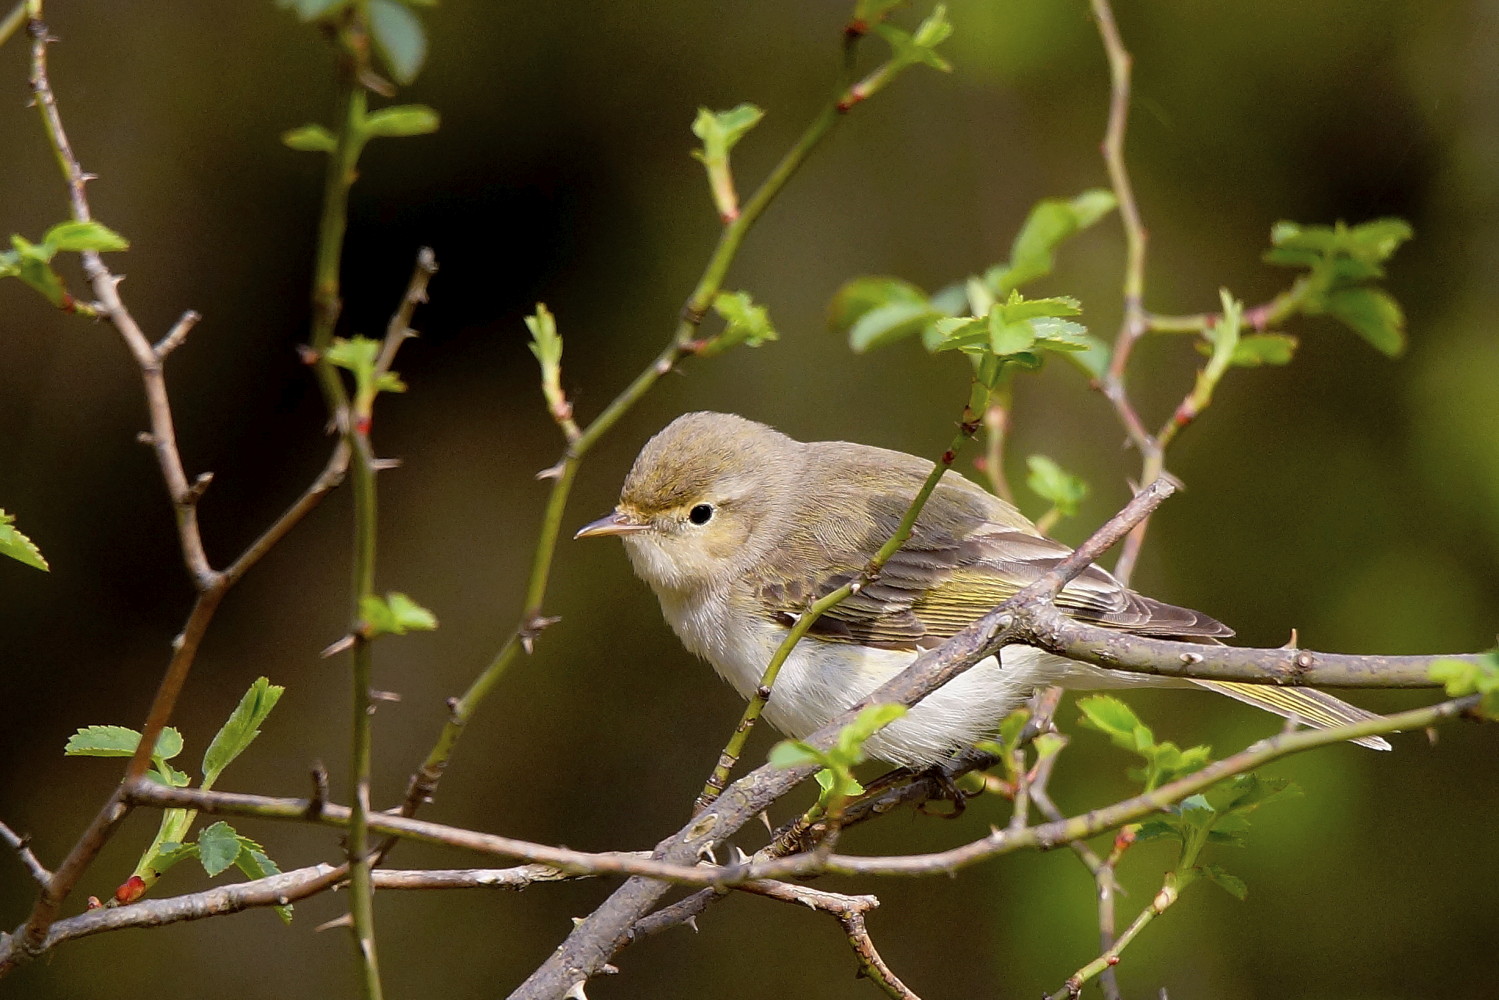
(218,846)
(256,864)
(31,262)
(1461,678)
(1055,485)
(1373,315)
(721,130)
(862,295)
(1009,336)
(1050,222)
(1111,717)
(744,323)
(18,546)
(241,728)
(793,753)
(1231,884)
(1012,726)
(912,49)
(546,342)
(118,741)
(851,738)
(310,139)
(1256,349)
(165,774)
(890,323)
(399,38)
(395,614)
(401,120)
(80,236)
(356,354)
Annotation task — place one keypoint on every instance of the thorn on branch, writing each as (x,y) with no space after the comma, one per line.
(534,626)
(319,791)
(338,646)
(197,489)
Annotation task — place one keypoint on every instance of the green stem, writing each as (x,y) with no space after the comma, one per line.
(732,750)
(327,302)
(13,21)
(361,887)
(1109,958)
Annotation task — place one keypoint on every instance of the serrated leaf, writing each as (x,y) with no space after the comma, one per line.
(1231,884)
(18,546)
(310,139)
(399,38)
(1373,315)
(119,741)
(1055,485)
(256,864)
(395,614)
(80,236)
(402,120)
(165,774)
(240,729)
(218,846)
(744,323)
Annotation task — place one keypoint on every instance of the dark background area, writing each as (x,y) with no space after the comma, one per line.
(1348,496)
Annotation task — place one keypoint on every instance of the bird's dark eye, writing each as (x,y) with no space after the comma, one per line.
(701,514)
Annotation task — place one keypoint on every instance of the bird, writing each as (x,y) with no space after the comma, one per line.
(738,528)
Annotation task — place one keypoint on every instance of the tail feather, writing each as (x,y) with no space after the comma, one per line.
(1317,709)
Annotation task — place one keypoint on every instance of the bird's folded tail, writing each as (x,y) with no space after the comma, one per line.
(1317,709)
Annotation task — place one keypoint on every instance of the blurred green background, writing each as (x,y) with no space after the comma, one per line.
(1348,496)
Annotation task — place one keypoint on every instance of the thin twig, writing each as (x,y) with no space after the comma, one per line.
(12,21)
(176,335)
(280,890)
(22,846)
(849,911)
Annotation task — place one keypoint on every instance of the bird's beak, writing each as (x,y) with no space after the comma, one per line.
(616,522)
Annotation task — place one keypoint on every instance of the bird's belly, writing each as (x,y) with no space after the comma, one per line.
(821,679)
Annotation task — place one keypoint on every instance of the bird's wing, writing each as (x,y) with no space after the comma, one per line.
(967,554)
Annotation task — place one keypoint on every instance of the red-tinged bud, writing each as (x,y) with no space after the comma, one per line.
(362,426)
(94,904)
(1113,960)
(68,304)
(130,890)
(1125,838)
(857,28)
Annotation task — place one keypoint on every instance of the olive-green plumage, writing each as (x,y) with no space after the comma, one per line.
(738,528)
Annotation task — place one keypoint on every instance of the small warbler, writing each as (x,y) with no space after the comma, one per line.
(738,529)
